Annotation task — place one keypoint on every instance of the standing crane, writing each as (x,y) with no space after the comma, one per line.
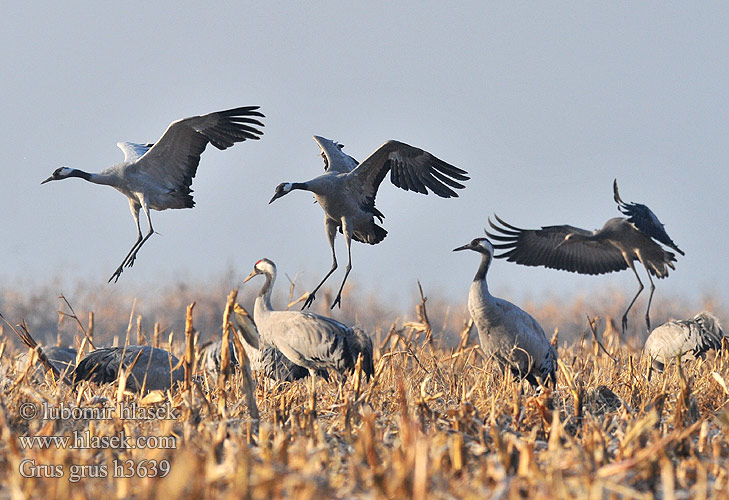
(263,358)
(266,358)
(615,247)
(507,332)
(158,176)
(306,339)
(689,339)
(347,189)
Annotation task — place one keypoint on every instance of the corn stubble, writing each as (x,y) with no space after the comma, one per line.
(433,422)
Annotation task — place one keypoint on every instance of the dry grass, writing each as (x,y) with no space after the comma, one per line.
(437,421)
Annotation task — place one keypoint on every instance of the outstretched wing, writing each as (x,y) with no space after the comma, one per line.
(546,247)
(174,158)
(411,169)
(133,151)
(335,159)
(644,219)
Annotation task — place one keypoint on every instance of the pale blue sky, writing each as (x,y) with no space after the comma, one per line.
(543,103)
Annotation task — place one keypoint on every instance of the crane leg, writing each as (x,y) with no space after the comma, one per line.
(348,240)
(132,255)
(650,298)
(134,207)
(129,261)
(640,289)
(331,227)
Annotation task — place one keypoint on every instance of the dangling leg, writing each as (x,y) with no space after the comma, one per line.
(640,289)
(134,206)
(331,227)
(133,255)
(348,240)
(650,298)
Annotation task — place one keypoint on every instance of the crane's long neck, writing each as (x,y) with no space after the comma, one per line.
(304,186)
(483,268)
(264,296)
(96,178)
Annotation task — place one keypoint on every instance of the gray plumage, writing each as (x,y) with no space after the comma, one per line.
(688,339)
(274,365)
(309,340)
(615,247)
(158,176)
(63,358)
(210,354)
(263,358)
(347,190)
(506,332)
(155,369)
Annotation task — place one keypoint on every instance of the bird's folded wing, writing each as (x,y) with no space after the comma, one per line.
(411,169)
(542,247)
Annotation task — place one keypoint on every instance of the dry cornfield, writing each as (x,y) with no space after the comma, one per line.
(437,421)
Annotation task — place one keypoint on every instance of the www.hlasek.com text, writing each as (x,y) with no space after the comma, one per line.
(83,440)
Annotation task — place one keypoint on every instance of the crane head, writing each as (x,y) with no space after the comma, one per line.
(263,266)
(281,189)
(481,245)
(60,173)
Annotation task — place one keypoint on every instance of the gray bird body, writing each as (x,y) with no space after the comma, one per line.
(347,190)
(210,354)
(506,332)
(155,369)
(263,358)
(309,340)
(688,339)
(158,176)
(269,361)
(62,358)
(615,247)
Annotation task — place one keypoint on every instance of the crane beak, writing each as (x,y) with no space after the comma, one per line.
(464,247)
(47,180)
(254,273)
(276,196)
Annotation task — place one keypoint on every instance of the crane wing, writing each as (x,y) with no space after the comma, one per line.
(411,169)
(133,151)
(174,158)
(644,219)
(543,247)
(335,159)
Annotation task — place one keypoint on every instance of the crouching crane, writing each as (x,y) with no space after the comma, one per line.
(153,368)
(688,339)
